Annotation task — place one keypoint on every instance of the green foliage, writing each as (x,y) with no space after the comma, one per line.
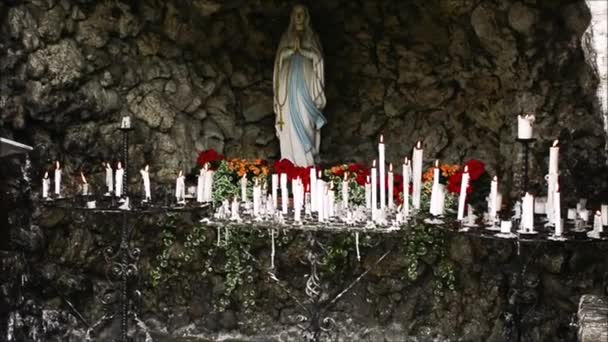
(224,184)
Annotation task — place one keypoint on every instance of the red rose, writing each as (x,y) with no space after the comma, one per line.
(208,156)
(455,183)
(283,166)
(361,179)
(476,168)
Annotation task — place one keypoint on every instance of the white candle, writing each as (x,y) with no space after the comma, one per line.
(46,184)
(331,198)
(381,156)
(85,185)
(307,206)
(406,187)
(297,190)
(493,203)
(505,227)
(604,214)
(57,179)
(557,216)
(180,187)
(345,185)
(597,222)
(464,184)
(368,193)
(313,189)
(571,214)
(391,190)
(524,126)
(584,214)
(374,191)
(434,207)
(527,219)
(200,186)
(320,193)
(145,175)
(119,178)
(109,178)
(234,209)
(275,188)
(417,173)
(326,201)
(554,158)
(284,193)
(257,197)
(208,185)
(244,188)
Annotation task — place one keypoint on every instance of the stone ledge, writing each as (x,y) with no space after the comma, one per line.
(593,318)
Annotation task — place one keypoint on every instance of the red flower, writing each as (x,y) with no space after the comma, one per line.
(361,179)
(283,166)
(455,182)
(208,156)
(476,169)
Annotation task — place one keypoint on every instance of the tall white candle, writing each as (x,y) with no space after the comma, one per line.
(307,209)
(200,186)
(244,188)
(464,184)
(417,174)
(374,191)
(604,209)
(284,193)
(57,179)
(257,197)
(275,188)
(391,190)
(558,214)
(85,185)
(368,193)
(554,158)
(297,191)
(109,177)
(331,200)
(406,187)
(120,172)
(320,193)
(381,156)
(527,217)
(313,189)
(46,184)
(435,205)
(145,175)
(208,188)
(180,187)
(493,200)
(597,222)
(524,126)
(345,184)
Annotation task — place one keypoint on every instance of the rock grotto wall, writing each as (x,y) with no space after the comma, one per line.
(197,75)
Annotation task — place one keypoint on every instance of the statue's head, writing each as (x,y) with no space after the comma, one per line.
(300,19)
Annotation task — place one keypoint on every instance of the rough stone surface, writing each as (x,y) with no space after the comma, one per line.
(593,318)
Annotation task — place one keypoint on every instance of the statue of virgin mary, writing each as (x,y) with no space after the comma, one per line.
(299,96)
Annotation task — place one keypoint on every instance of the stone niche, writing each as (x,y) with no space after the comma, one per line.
(198,75)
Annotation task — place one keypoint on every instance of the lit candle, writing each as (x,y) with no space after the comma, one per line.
(604,214)
(345,191)
(368,193)
(436,206)
(109,177)
(381,155)
(417,173)
(297,190)
(492,205)
(208,184)
(319,200)
(527,218)
(180,187)
(406,187)
(244,188)
(200,185)
(597,222)
(554,158)
(234,209)
(275,187)
(85,185)
(313,189)
(57,179)
(524,126)
(391,190)
(374,191)
(307,196)
(257,197)
(464,184)
(145,176)
(119,177)
(331,200)
(284,193)
(46,184)
(558,214)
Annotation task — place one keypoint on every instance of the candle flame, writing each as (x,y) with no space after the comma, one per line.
(598,213)
(437,163)
(382,138)
(119,165)
(46,175)
(180,173)
(206,166)
(374,163)
(367,179)
(390,167)
(406,161)
(495,179)
(466,169)
(419,144)
(57,165)
(555,142)
(84,180)
(320,174)
(147,168)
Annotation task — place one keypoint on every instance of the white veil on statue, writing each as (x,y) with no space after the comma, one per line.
(298,84)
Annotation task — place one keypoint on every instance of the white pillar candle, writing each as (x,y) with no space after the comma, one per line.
(307,208)
(524,126)
(180,187)
(120,172)
(319,200)
(200,186)
(208,188)
(345,184)
(145,175)
(551,183)
(234,209)
(571,214)
(584,214)
(597,222)
(554,158)
(493,200)
(46,184)
(244,188)
(313,189)
(406,187)
(417,174)
(85,185)
(327,201)
(381,156)
(464,184)
(57,179)
(284,193)
(275,188)
(297,190)
(557,216)
(257,197)
(604,214)
(374,189)
(505,227)
(527,219)
(391,190)
(368,193)
(434,205)
(109,178)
